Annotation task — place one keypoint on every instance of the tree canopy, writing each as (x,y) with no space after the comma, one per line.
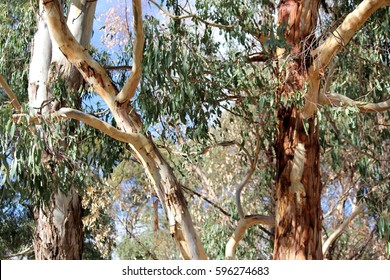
(176,128)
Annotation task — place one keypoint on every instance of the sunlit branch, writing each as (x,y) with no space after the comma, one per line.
(96,123)
(342,100)
(341,228)
(23,253)
(242,226)
(344,33)
(130,87)
(14,100)
(190,16)
(76,54)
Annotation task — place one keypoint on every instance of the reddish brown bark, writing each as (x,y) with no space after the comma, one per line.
(298,186)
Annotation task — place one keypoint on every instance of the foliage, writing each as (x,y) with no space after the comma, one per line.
(203,98)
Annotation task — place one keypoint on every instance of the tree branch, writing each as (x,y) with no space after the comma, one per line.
(342,100)
(129,88)
(94,122)
(242,226)
(344,33)
(91,70)
(190,16)
(14,100)
(341,228)
(207,200)
(23,253)
(324,54)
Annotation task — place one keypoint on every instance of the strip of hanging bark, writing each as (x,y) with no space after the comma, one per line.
(342,100)
(341,228)
(14,100)
(131,84)
(172,16)
(242,226)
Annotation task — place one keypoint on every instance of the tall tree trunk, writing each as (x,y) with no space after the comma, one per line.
(298,187)
(59,229)
(158,170)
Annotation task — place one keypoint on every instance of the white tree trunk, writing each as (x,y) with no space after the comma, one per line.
(59,230)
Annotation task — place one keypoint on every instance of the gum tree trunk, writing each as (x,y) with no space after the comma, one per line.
(129,123)
(59,229)
(298,186)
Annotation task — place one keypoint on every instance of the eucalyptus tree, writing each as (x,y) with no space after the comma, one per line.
(52,152)
(229,56)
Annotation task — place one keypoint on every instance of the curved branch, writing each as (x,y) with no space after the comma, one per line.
(76,54)
(129,88)
(344,33)
(242,226)
(342,100)
(341,228)
(14,100)
(94,122)
(248,176)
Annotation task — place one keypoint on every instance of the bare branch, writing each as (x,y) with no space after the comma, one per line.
(129,88)
(118,68)
(341,228)
(344,33)
(242,226)
(342,100)
(14,100)
(94,122)
(190,16)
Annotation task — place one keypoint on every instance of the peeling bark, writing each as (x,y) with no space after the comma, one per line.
(129,122)
(59,229)
(298,185)
(298,190)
